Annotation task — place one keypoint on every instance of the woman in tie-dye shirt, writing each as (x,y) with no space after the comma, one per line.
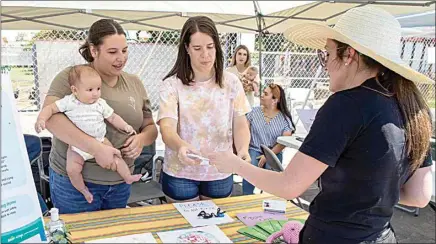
(202,109)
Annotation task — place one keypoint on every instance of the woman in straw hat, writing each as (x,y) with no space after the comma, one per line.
(369,142)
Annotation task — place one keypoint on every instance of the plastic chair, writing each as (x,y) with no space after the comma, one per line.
(34,152)
(274,163)
(149,187)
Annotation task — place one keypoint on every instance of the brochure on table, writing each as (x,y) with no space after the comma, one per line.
(190,211)
(206,234)
(21,217)
(135,238)
(252,218)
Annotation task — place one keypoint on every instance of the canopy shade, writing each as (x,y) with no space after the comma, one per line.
(235,16)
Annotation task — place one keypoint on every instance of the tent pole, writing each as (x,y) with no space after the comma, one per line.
(312,87)
(259,39)
(149,55)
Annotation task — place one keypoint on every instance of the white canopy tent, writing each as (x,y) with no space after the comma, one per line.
(419,25)
(235,16)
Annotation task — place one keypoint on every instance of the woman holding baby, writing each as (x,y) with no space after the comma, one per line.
(106,52)
(247,74)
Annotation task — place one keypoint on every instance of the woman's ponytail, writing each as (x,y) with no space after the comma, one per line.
(85,51)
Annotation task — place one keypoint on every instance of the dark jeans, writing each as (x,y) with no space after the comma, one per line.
(69,200)
(185,189)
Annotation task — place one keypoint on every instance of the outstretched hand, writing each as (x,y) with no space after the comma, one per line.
(183,157)
(225,162)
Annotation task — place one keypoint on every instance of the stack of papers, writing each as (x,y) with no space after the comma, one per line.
(261,231)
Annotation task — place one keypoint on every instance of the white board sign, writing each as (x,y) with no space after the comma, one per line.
(21,217)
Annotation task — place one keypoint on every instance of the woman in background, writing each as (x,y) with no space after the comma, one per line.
(267,122)
(241,60)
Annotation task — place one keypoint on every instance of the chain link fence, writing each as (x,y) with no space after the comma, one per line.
(35,63)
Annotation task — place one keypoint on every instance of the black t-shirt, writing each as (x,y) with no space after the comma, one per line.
(359,133)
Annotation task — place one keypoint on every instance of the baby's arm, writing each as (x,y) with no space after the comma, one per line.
(256,88)
(120,124)
(45,115)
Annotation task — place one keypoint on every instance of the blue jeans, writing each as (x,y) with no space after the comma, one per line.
(247,187)
(69,200)
(184,189)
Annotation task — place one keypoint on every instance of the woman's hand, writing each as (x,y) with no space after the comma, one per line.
(133,146)
(245,156)
(262,161)
(105,156)
(184,159)
(225,162)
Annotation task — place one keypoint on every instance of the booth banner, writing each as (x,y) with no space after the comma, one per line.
(21,217)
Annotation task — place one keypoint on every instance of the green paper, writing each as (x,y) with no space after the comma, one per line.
(266,226)
(282,222)
(299,220)
(254,232)
(262,231)
(276,225)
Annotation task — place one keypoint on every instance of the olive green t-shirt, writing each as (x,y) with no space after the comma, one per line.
(129,100)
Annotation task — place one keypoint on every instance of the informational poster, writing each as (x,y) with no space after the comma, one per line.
(21,217)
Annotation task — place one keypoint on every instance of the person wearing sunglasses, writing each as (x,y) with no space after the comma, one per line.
(267,122)
(369,142)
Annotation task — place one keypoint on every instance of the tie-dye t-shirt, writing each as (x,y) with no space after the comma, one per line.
(205,113)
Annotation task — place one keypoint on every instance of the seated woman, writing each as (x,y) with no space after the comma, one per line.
(267,122)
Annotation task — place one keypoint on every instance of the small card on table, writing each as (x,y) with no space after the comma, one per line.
(275,206)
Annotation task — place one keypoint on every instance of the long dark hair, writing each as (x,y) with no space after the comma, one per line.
(182,68)
(415,111)
(278,93)
(97,32)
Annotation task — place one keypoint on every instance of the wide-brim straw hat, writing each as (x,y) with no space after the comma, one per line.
(369,30)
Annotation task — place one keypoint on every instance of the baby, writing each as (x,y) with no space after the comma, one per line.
(87,111)
(249,82)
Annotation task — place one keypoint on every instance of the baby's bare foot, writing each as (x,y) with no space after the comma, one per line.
(88,196)
(133,178)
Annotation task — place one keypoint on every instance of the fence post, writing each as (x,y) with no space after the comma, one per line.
(35,74)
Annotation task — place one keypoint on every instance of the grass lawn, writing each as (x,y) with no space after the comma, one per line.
(22,78)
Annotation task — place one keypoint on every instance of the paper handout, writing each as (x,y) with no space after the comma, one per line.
(190,211)
(252,218)
(207,234)
(136,238)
